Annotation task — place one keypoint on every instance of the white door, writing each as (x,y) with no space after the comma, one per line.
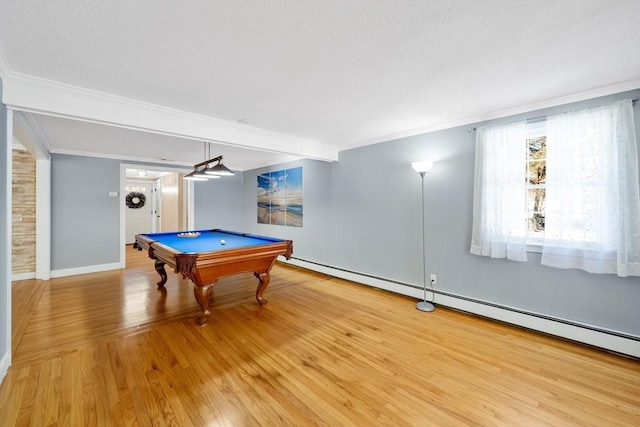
(156,206)
(139,214)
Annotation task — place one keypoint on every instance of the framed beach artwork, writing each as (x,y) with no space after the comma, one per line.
(280,197)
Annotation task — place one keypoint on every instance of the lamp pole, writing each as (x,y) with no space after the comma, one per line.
(422,168)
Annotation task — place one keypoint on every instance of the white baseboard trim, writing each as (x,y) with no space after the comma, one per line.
(23,276)
(588,334)
(85,270)
(5,362)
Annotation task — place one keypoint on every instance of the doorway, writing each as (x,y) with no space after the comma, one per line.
(140,215)
(153,199)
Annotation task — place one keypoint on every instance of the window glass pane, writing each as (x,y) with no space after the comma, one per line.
(537,147)
(536,201)
(537,165)
(536,198)
(537,173)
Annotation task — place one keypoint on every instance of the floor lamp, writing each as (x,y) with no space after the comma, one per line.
(422,168)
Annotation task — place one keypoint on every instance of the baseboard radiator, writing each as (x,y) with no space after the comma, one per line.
(603,338)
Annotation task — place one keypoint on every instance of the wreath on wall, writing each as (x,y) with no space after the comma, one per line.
(135,200)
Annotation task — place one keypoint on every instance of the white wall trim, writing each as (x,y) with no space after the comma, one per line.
(553,102)
(5,283)
(586,334)
(43,219)
(37,142)
(85,270)
(5,362)
(42,96)
(123,158)
(122,215)
(23,276)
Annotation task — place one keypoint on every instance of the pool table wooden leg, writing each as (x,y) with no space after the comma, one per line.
(264,279)
(159,265)
(202,294)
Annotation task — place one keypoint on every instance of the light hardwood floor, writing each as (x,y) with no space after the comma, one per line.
(110,349)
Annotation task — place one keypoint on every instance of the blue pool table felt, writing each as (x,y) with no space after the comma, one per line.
(208,241)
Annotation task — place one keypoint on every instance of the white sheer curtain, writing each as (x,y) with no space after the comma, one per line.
(593,195)
(499,217)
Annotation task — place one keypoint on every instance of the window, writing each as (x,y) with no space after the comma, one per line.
(536,187)
(577,195)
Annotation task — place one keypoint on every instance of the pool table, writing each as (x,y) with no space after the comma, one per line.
(204,256)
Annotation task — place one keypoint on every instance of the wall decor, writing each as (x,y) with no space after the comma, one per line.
(280,197)
(135,200)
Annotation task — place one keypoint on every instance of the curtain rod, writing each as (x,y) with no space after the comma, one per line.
(541,118)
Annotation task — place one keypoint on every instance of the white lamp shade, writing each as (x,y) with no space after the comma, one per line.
(192,177)
(199,175)
(218,170)
(422,166)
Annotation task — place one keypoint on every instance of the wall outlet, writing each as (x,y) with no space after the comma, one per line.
(433,279)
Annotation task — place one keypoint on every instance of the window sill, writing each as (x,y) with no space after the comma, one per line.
(534,248)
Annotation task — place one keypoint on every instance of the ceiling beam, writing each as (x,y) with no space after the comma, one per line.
(36,95)
(28,133)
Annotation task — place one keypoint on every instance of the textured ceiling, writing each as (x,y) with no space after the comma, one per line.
(346,73)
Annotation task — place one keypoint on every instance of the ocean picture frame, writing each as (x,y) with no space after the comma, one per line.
(280,198)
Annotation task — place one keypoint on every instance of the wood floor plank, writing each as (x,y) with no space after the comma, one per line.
(122,405)
(111,349)
(25,297)
(18,387)
(70,407)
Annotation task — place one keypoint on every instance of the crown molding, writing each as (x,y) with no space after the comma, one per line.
(158,164)
(553,102)
(32,94)
(156,161)
(35,141)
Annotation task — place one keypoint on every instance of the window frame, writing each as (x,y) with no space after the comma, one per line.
(535,128)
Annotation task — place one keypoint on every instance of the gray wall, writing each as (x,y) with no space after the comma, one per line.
(218,203)
(85,222)
(370,221)
(312,241)
(5,224)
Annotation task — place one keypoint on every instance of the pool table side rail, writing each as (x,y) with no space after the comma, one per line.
(216,230)
(255,236)
(187,263)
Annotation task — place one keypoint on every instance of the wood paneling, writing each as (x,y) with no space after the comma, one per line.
(23,234)
(110,349)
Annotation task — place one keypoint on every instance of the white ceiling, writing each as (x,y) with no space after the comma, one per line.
(283,77)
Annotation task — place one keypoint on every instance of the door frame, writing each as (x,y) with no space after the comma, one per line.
(123,178)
